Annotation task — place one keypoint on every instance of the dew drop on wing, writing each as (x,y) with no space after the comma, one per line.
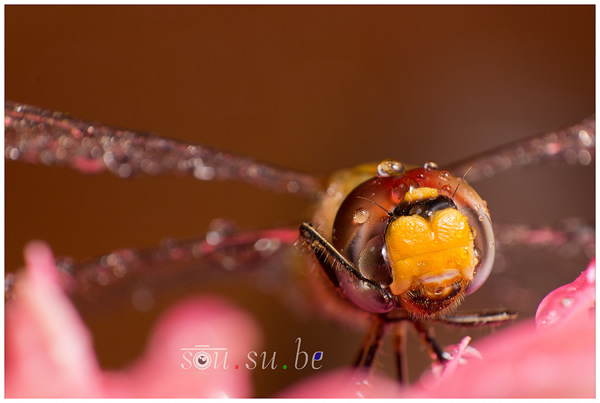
(264,265)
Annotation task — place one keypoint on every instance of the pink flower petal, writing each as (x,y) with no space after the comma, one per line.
(459,353)
(49,350)
(569,300)
(523,361)
(343,384)
(199,321)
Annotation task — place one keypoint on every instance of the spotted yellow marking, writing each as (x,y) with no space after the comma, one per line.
(436,250)
(416,194)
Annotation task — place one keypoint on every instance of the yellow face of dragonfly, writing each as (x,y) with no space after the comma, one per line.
(431,257)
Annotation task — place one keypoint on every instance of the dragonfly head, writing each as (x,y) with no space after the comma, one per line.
(423,234)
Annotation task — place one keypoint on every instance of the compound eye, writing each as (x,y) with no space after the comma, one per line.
(485,247)
(485,263)
(361,294)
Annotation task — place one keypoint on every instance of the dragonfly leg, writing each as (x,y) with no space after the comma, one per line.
(370,346)
(335,265)
(477,319)
(400,352)
(428,338)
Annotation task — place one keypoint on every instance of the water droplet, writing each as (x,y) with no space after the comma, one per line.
(262,244)
(293,187)
(571,157)
(204,173)
(219,229)
(14,153)
(399,189)
(567,302)
(585,138)
(142,299)
(361,215)
(430,165)
(390,168)
(214,237)
(102,279)
(113,259)
(446,190)
(229,263)
(125,170)
(584,157)
(445,176)
(266,246)
(550,318)
(149,167)
(119,270)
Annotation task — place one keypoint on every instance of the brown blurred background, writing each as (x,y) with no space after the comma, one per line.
(310,88)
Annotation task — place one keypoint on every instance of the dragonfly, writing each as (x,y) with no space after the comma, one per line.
(348,244)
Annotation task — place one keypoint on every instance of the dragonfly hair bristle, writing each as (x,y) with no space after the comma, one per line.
(459,182)
(377,204)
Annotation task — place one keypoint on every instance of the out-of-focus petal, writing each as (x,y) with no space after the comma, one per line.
(49,351)
(200,321)
(343,384)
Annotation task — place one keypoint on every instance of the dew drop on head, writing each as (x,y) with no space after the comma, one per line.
(361,215)
(390,168)
(430,165)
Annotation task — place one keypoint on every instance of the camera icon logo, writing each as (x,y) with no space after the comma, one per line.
(202,360)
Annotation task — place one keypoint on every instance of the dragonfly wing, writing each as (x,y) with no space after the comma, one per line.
(41,136)
(572,145)
(261,260)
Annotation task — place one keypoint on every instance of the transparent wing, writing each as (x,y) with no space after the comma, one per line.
(41,136)
(572,145)
(262,260)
